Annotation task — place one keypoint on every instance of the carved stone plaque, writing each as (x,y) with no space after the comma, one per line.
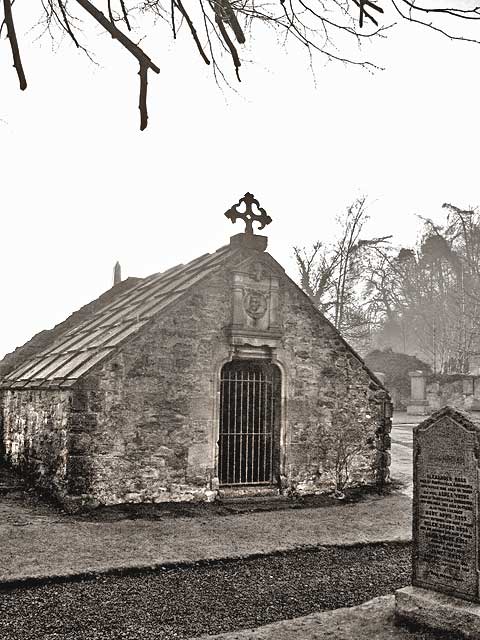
(255,305)
(445,507)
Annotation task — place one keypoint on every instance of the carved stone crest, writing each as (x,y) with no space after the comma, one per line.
(256,319)
(255,303)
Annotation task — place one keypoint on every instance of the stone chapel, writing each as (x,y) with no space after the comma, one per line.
(211,379)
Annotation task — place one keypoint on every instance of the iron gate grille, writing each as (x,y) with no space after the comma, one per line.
(249,397)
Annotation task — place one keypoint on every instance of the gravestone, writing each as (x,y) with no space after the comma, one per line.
(445,577)
(471,392)
(418,403)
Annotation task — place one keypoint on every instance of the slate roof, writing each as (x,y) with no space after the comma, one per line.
(81,347)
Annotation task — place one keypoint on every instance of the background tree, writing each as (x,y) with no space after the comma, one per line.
(423,301)
(323,27)
(332,274)
(429,297)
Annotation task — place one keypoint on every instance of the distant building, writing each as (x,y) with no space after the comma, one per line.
(210,379)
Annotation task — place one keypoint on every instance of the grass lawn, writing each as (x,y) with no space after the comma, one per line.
(39,540)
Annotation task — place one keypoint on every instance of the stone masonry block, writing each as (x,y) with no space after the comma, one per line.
(438,611)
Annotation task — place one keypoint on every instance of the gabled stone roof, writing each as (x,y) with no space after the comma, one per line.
(87,342)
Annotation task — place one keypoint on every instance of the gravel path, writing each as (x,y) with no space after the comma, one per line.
(188,602)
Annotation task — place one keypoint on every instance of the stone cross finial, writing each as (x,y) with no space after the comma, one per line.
(248,216)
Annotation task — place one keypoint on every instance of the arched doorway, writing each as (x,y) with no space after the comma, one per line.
(250,400)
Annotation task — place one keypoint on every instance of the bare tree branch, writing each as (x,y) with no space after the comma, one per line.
(125,15)
(322,27)
(144,61)
(430,25)
(12,36)
(66,22)
(116,34)
(142,102)
(193,31)
(228,42)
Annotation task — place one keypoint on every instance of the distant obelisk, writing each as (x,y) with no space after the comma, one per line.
(117,273)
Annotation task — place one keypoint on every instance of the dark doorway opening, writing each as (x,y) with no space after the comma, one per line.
(248,443)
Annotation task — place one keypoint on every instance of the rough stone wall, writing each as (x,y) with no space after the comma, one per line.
(460,391)
(337,432)
(142,426)
(143,423)
(442,392)
(35,425)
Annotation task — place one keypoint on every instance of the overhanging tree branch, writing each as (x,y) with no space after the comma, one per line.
(325,27)
(193,31)
(12,36)
(229,43)
(143,60)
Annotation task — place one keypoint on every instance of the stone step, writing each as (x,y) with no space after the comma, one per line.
(249,492)
(4,488)
(252,498)
(10,481)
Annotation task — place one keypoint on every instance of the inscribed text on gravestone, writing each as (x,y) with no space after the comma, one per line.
(446,508)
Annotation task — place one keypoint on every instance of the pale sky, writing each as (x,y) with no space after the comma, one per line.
(82,187)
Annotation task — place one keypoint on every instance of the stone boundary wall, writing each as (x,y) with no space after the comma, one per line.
(432,392)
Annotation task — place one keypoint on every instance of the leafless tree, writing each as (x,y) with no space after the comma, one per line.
(430,296)
(323,27)
(332,274)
